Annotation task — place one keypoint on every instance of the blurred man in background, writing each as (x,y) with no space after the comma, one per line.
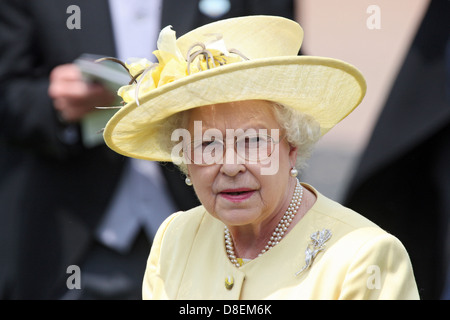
(64,202)
(403,179)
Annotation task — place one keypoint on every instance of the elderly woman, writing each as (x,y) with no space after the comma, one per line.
(234,106)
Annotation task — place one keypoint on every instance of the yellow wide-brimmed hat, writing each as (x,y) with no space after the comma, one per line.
(245,58)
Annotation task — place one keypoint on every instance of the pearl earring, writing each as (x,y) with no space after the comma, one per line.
(188,181)
(294,172)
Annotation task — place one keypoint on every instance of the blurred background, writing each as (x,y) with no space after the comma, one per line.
(61,202)
(339,29)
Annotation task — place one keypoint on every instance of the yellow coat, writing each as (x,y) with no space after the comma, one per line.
(359,261)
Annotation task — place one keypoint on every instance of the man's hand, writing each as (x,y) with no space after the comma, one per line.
(72,97)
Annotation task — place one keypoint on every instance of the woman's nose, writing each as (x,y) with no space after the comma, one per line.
(232,164)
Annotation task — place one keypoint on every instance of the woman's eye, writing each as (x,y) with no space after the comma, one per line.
(256,140)
(206,144)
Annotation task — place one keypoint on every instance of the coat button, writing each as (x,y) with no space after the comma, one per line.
(229,282)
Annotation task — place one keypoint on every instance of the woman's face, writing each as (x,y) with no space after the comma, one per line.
(241,193)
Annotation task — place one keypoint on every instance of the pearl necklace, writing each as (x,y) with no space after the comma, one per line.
(279,231)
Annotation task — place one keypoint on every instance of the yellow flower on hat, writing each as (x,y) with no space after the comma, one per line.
(170,68)
(136,65)
(134,68)
(172,65)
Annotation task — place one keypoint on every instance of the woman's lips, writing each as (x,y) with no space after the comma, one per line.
(237,195)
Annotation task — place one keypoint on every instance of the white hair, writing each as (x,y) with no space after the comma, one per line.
(302,131)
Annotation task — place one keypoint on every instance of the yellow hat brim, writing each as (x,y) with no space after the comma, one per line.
(325,88)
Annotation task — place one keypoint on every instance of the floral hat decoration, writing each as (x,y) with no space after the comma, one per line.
(244,58)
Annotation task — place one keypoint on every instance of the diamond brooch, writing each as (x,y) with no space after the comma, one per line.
(316,245)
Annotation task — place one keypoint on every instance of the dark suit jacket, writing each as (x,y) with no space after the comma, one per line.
(403,179)
(53,191)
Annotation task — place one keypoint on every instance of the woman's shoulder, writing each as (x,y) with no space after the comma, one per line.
(345,223)
(182,223)
(359,250)
(351,230)
(192,217)
(326,209)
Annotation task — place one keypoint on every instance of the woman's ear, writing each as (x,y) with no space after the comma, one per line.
(293,155)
